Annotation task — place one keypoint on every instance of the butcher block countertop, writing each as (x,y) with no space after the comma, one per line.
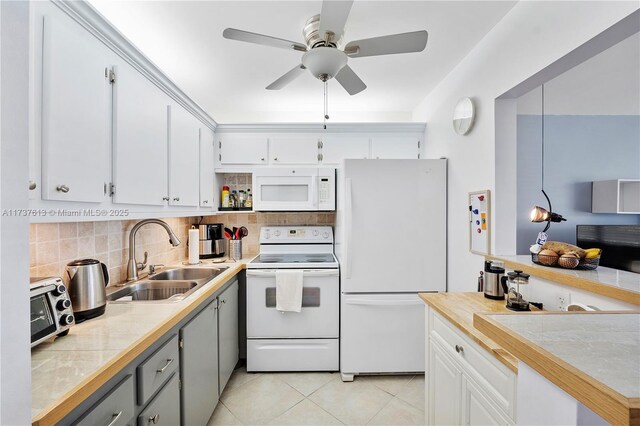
(459,308)
(609,282)
(69,369)
(593,356)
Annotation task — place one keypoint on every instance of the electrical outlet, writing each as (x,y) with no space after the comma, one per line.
(563,300)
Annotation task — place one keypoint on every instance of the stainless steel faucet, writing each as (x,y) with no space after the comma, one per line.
(132,266)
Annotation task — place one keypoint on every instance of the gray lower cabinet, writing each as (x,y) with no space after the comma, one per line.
(164,409)
(228,333)
(157,369)
(199,366)
(115,409)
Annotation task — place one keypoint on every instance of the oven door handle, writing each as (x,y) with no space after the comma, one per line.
(306,273)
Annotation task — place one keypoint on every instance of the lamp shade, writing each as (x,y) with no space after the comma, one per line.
(540,214)
(324,62)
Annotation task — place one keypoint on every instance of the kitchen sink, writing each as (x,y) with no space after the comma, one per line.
(171,285)
(187,274)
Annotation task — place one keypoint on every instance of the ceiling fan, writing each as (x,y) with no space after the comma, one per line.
(322,57)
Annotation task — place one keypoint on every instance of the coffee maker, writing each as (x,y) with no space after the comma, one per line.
(511,286)
(212,242)
(493,272)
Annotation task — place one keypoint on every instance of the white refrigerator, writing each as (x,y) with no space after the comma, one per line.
(391,229)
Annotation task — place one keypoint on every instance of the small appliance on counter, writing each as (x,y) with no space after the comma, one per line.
(511,286)
(51,312)
(493,272)
(212,244)
(87,281)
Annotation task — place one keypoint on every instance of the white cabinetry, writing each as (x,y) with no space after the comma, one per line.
(294,149)
(242,148)
(395,147)
(464,383)
(207,164)
(184,152)
(139,139)
(337,147)
(75,113)
(620,196)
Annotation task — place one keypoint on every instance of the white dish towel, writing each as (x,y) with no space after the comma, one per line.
(289,290)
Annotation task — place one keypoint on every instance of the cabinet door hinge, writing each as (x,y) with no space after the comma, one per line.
(112,189)
(418,144)
(179,384)
(220,157)
(112,76)
(418,156)
(320,144)
(219,144)
(181,343)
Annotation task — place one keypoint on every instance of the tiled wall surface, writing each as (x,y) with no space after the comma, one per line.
(53,245)
(253,222)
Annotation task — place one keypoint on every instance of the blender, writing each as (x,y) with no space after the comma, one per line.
(511,286)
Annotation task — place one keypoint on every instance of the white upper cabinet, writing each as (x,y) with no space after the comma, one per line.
(242,148)
(139,139)
(337,147)
(207,175)
(184,154)
(75,113)
(395,147)
(294,149)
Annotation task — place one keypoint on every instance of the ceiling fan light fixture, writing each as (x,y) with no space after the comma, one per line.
(324,63)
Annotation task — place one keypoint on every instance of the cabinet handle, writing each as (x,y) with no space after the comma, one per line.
(32,185)
(176,198)
(154,419)
(165,198)
(275,159)
(223,301)
(262,159)
(162,370)
(206,201)
(62,188)
(114,418)
(459,349)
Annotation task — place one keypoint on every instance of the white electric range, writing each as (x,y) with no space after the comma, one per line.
(294,341)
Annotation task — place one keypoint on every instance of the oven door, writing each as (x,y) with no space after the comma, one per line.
(319,317)
(285,189)
(43,320)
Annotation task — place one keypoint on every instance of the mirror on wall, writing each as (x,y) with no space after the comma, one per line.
(589,121)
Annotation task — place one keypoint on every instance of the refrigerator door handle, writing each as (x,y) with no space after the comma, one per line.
(349,215)
(371,302)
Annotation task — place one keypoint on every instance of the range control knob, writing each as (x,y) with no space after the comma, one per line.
(267,235)
(276,233)
(325,235)
(66,319)
(316,232)
(63,304)
(59,290)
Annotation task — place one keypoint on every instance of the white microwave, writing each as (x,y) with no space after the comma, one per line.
(299,189)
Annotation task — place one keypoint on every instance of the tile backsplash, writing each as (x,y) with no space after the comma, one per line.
(53,245)
(253,222)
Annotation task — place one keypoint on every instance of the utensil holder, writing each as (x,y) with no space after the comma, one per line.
(235,249)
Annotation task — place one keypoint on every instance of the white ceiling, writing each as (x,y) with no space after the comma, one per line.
(228,78)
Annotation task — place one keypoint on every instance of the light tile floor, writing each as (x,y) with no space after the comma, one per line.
(319,399)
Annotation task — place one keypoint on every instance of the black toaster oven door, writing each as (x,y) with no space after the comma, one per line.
(42,321)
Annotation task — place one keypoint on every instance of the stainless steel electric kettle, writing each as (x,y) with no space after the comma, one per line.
(87,281)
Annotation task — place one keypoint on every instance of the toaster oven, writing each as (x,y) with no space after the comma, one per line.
(51,311)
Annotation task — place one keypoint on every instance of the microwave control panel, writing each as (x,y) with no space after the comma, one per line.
(324,191)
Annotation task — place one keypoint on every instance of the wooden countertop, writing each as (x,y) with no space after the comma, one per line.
(593,356)
(613,283)
(99,348)
(459,308)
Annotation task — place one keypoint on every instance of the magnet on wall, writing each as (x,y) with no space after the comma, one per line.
(475,211)
(477,222)
(481,197)
(479,230)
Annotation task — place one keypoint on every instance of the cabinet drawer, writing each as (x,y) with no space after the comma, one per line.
(115,409)
(292,355)
(165,407)
(496,379)
(157,369)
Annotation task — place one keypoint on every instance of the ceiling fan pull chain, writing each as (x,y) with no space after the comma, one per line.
(326,103)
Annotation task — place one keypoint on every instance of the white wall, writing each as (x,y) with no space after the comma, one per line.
(15,355)
(530,37)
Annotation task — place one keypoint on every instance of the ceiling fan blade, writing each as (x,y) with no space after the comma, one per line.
(333,17)
(350,81)
(388,45)
(287,78)
(233,34)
